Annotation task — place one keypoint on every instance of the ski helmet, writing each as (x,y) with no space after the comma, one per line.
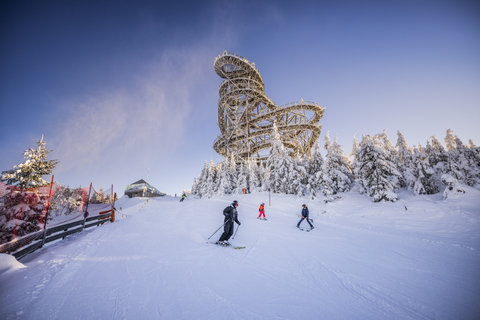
(235,203)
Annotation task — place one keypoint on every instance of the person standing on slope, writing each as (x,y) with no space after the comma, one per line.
(262,211)
(231,215)
(304,216)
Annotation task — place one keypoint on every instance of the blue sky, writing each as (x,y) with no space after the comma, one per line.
(125,90)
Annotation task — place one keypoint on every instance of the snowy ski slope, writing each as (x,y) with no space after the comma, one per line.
(362,261)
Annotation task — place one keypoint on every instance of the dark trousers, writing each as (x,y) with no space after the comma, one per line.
(298,224)
(227,231)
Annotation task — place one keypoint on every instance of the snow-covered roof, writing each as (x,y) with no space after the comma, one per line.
(144,187)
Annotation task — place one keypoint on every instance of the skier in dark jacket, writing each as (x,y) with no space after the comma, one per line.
(304,216)
(231,215)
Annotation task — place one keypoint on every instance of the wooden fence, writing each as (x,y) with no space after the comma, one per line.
(34,241)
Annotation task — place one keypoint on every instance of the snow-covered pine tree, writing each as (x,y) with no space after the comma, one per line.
(404,160)
(224,186)
(262,176)
(211,180)
(296,173)
(454,166)
(29,174)
(255,182)
(98,196)
(450,140)
(356,166)
(475,152)
(65,200)
(336,172)
(392,156)
(473,156)
(355,149)
(422,180)
(459,166)
(278,164)
(314,172)
(241,178)
(202,181)
(195,186)
(218,167)
(20,214)
(466,164)
(437,158)
(375,170)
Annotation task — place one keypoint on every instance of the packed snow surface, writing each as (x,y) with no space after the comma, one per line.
(418,258)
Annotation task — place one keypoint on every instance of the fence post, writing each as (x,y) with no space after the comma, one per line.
(86,207)
(46,213)
(112,217)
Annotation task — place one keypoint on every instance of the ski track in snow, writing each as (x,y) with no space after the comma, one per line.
(362,261)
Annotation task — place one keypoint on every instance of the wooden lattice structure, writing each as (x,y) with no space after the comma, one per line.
(246,115)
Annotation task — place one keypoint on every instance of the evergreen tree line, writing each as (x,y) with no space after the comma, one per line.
(375,167)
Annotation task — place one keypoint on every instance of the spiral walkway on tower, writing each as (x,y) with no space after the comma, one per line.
(246,115)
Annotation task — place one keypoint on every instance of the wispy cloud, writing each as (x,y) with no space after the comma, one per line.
(118,125)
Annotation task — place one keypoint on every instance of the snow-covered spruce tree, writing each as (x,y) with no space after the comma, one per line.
(458,166)
(241,178)
(475,152)
(296,174)
(392,156)
(278,164)
(202,181)
(262,176)
(461,165)
(466,164)
(375,170)
(422,178)
(437,158)
(232,172)
(356,166)
(314,172)
(255,176)
(336,172)
(20,214)
(355,149)
(29,174)
(404,160)
(209,186)
(224,186)
(195,186)
(454,165)
(64,201)
(473,156)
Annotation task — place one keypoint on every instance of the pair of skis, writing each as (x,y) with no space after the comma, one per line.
(227,245)
(307,230)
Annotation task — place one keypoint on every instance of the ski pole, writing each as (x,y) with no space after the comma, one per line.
(218,229)
(235,232)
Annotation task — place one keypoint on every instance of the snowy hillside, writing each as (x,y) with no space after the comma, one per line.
(362,261)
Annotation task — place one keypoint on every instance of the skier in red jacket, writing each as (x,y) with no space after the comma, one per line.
(262,211)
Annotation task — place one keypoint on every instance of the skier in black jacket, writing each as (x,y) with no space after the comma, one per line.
(304,216)
(231,215)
